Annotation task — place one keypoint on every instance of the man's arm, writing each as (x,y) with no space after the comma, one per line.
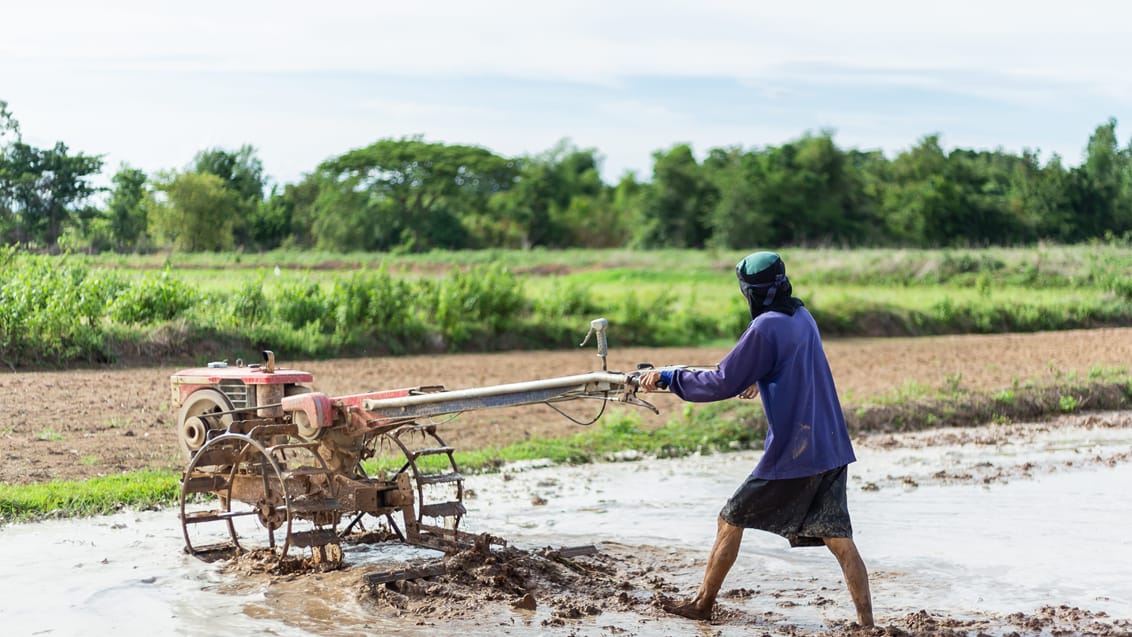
(751,359)
(650,381)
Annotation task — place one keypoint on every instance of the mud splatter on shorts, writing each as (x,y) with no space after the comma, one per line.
(802,510)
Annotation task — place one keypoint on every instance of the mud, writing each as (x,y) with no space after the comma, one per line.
(1000,453)
(1001,530)
(1038,550)
(508,577)
(85,423)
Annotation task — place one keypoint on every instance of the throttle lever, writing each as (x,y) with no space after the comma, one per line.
(598,326)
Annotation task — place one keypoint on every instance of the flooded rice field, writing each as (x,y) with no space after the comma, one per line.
(998,530)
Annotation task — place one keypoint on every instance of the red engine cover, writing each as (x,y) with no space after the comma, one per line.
(187,381)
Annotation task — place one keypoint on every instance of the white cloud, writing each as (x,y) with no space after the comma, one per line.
(578,40)
(62,65)
(641,113)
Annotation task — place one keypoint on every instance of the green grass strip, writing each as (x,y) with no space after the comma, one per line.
(97,496)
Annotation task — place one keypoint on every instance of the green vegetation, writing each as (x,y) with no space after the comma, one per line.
(410,195)
(96,496)
(714,427)
(56,310)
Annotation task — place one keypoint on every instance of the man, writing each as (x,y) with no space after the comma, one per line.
(798,488)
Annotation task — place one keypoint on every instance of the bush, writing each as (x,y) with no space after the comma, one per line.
(152,300)
(566,299)
(302,304)
(644,321)
(51,311)
(249,305)
(485,300)
(375,305)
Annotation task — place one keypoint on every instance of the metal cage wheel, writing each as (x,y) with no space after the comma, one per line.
(246,482)
(416,442)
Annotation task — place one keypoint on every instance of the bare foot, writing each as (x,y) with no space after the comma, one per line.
(685,608)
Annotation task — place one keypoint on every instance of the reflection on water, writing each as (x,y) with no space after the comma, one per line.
(1053,533)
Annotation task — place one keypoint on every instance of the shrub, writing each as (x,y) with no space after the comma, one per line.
(154,299)
(485,299)
(377,305)
(302,304)
(248,305)
(569,298)
(50,311)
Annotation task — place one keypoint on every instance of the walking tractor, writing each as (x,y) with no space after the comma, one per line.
(273,464)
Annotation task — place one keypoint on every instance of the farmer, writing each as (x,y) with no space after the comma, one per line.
(798,488)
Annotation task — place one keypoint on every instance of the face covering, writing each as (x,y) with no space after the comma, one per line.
(763,282)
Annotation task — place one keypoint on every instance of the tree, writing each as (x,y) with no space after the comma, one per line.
(242,172)
(1040,198)
(1101,189)
(41,191)
(9,131)
(913,190)
(128,207)
(677,204)
(343,220)
(9,127)
(832,206)
(627,200)
(807,190)
(594,222)
(270,225)
(407,193)
(290,214)
(738,220)
(553,196)
(194,214)
(864,199)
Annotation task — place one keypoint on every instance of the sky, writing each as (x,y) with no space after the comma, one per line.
(150,83)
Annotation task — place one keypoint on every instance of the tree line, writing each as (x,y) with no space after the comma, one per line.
(409,195)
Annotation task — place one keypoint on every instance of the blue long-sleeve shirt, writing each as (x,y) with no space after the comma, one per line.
(784,355)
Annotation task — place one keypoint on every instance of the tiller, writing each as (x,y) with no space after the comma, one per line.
(273,464)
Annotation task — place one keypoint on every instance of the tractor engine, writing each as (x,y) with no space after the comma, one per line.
(213,398)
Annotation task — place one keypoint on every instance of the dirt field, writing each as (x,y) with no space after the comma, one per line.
(85,423)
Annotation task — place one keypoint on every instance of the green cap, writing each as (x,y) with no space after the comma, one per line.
(756,262)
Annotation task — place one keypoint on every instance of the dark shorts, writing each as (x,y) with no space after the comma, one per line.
(802,510)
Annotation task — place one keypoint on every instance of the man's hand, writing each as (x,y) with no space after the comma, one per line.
(648,380)
(749,392)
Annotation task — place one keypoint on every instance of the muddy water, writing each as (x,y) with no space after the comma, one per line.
(975,523)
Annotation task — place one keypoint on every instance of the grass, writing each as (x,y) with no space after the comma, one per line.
(1033,266)
(96,496)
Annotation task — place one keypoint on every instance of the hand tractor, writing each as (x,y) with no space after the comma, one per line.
(273,464)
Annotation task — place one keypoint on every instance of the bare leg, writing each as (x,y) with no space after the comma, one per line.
(723,554)
(856,576)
